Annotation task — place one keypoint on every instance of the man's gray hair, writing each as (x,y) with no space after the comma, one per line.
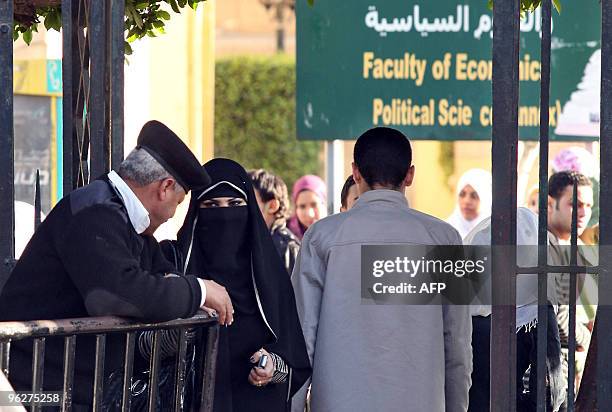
(142,168)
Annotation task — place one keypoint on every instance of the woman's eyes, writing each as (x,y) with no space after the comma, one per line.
(223,203)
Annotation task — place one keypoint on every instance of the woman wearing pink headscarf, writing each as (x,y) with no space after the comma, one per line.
(309,197)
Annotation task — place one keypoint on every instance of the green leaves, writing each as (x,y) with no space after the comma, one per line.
(147,17)
(163,15)
(142,18)
(53,19)
(27,36)
(526,5)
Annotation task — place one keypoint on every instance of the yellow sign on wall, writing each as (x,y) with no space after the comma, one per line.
(37,77)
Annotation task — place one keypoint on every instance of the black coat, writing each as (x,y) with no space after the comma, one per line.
(86,259)
(274,324)
(287,245)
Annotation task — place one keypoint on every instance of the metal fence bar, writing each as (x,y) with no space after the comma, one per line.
(117,58)
(7,206)
(38,369)
(587,396)
(69,351)
(80,97)
(82,119)
(5,349)
(210,367)
(99,372)
(128,369)
(70,82)
(37,206)
(154,368)
(506,19)
(604,311)
(181,364)
(96,107)
(104,324)
(108,31)
(542,328)
(71,328)
(571,339)
(560,269)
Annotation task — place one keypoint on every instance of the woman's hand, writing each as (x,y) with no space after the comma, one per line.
(261,376)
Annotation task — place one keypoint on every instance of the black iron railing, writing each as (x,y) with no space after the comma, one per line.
(596,389)
(38,331)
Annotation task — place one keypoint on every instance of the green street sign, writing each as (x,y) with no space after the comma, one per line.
(425,68)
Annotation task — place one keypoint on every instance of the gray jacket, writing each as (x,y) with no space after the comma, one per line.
(377,357)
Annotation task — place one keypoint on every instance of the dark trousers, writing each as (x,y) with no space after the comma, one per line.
(526,356)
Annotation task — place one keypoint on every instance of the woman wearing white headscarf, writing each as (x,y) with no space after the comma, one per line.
(473,200)
(526,324)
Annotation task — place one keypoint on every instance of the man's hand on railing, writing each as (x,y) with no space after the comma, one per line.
(218,300)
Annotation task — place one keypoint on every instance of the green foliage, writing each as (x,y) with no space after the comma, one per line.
(142,18)
(531,5)
(255,117)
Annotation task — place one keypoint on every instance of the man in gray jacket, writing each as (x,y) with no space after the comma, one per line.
(378,357)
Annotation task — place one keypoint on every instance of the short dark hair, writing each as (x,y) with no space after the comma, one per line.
(271,187)
(383,156)
(350,182)
(558,182)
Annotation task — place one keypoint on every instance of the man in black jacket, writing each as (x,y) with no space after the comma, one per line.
(95,255)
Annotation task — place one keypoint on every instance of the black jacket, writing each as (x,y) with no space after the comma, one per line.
(287,245)
(86,259)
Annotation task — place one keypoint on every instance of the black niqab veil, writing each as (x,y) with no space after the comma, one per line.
(270,285)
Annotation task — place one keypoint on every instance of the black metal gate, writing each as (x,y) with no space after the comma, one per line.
(92,74)
(596,389)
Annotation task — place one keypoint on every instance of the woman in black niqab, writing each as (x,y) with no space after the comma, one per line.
(224,238)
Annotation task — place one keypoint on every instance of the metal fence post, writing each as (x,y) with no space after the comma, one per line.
(604,311)
(506,19)
(96,107)
(70,82)
(117,59)
(7,206)
(542,329)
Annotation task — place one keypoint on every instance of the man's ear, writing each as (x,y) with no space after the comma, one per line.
(165,186)
(356,175)
(271,206)
(409,176)
(551,203)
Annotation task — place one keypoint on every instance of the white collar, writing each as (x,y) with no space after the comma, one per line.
(138,214)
